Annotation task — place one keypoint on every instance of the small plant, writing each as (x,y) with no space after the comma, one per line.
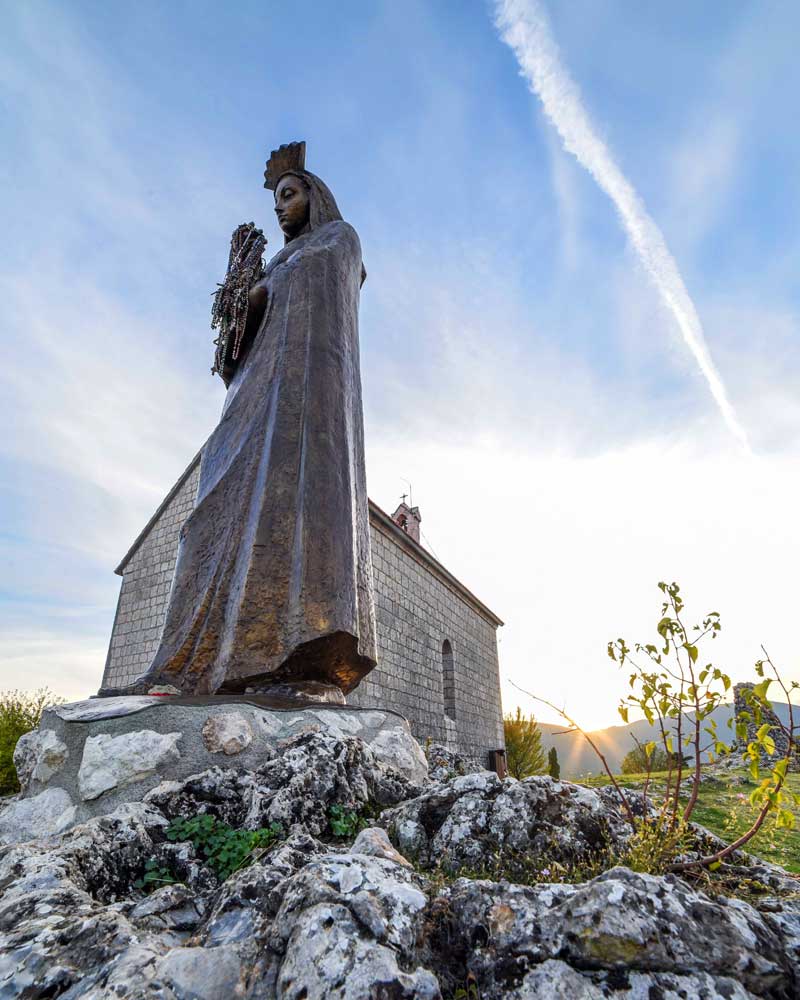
(224,849)
(677,694)
(155,875)
(655,845)
(469,991)
(523,745)
(345,823)
(553,767)
(20,712)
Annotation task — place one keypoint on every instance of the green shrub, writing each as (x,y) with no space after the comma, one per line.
(524,752)
(553,767)
(639,761)
(224,849)
(155,875)
(20,712)
(345,823)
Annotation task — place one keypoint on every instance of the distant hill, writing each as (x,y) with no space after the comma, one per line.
(577,758)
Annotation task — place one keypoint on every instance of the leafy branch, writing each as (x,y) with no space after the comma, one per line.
(677,692)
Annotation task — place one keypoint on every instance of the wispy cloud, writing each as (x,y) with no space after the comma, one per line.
(523,26)
(568,551)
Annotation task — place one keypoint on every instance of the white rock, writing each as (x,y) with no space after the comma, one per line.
(110,761)
(385,897)
(336,723)
(38,755)
(398,749)
(102,708)
(42,815)
(328,957)
(556,981)
(227,732)
(201,973)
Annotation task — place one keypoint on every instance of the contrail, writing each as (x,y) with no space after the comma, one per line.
(524,27)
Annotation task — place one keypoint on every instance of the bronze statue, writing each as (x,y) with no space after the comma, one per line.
(273,584)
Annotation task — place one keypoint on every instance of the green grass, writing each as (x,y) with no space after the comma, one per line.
(727,812)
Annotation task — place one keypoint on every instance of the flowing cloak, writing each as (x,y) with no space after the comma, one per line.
(273,580)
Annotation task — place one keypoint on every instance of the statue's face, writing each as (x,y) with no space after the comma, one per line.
(291,205)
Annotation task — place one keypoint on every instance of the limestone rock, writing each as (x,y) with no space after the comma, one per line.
(555,980)
(466,819)
(65,927)
(105,855)
(227,732)
(200,974)
(61,943)
(111,761)
(245,907)
(444,764)
(170,908)
(397,750)
(295,789)
(38,755)
(222,732)
(618,925)
(181,859)
(328,957)
(308,920)
(347,926)
(387,735)
(42,815)
(374,842)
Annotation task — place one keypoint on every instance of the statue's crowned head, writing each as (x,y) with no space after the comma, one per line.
(302,201)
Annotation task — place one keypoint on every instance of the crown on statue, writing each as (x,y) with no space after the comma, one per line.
(288,158)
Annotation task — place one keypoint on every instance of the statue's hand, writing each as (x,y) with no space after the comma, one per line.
(257,298)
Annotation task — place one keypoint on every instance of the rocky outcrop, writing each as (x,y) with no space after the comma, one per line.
(318,917)
(467,820)
(618,926)
(295,789)
(348,927)
(49,812)
(444,764)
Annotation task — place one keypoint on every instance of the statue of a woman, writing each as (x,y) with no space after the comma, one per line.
(273,582)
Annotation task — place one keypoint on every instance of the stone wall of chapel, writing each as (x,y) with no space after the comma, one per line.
(416,612)
(143,597)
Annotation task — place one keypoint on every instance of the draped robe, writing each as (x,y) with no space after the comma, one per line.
(273,581)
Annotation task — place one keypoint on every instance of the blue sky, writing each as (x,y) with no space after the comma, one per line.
(519,365)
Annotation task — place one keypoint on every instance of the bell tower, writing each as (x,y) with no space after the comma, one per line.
(409,519)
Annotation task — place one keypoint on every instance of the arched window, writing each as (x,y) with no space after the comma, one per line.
(448,680)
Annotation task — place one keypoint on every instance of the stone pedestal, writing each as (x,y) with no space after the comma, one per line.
(89,757)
